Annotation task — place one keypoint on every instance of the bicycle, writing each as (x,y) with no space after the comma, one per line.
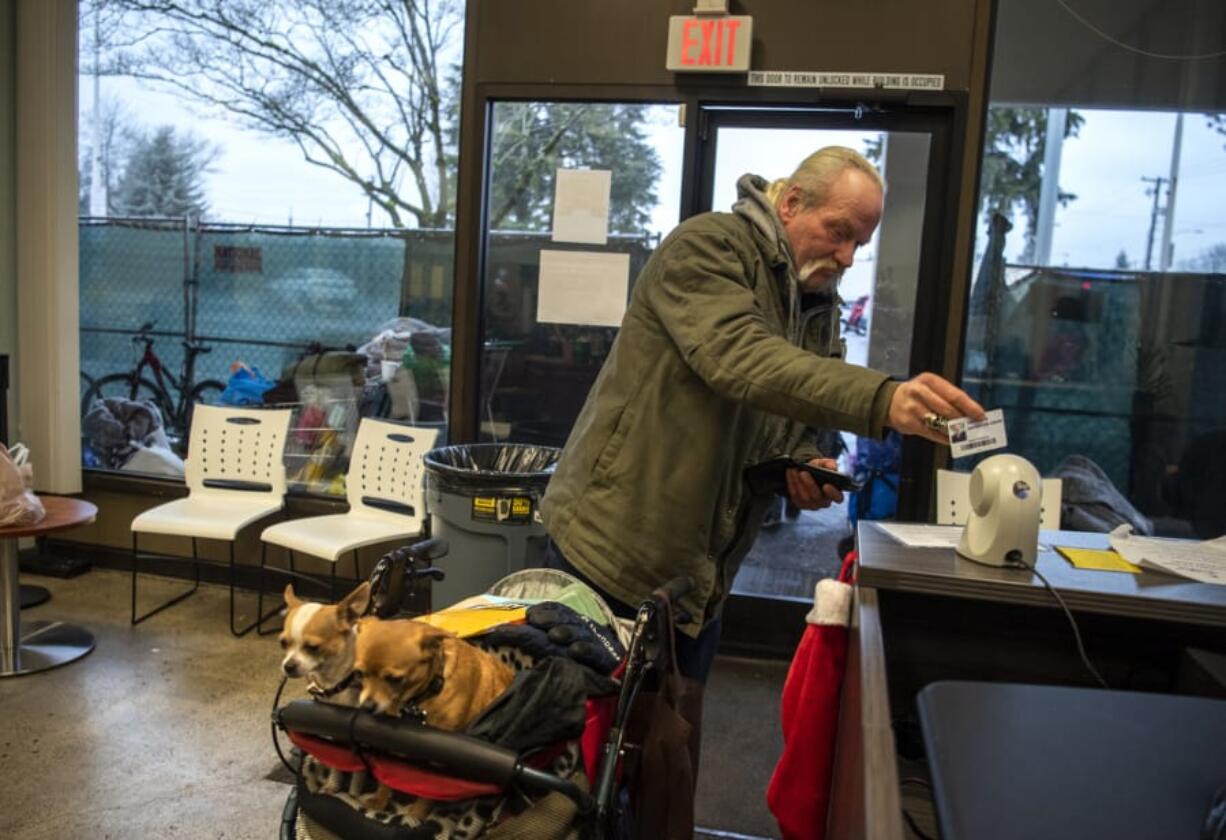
(133,385)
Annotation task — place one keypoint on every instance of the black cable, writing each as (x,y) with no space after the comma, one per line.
(1072,621)
(276,703)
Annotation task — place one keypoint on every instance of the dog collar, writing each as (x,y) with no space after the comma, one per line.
(336,689)
(413,707)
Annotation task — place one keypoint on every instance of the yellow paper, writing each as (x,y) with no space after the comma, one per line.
(1102,561)
(474,616)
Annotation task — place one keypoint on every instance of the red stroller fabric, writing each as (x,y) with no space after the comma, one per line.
(799,791)
(397,775)
(407,777)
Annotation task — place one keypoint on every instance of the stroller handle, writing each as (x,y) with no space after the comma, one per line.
(479,760)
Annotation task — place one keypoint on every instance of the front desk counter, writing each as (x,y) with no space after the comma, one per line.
(924,614)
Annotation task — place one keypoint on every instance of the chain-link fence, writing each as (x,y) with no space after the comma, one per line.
(263,297)
(257,295)
(268,296)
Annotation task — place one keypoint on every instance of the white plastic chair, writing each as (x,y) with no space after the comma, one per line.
(387,499)
(235,475)
(954,500)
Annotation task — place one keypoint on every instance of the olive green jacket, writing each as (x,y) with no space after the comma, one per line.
(701,382)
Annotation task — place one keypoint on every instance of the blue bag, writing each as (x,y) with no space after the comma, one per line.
(877,467)
(246,386)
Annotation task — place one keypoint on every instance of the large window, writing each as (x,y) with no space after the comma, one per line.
(560,259)
(267,203)
(1097,310)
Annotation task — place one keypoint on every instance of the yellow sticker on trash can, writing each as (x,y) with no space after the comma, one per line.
(512,510)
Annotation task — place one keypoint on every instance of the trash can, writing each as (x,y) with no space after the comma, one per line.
(484,499)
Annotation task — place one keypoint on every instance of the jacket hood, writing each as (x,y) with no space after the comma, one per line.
(753,205)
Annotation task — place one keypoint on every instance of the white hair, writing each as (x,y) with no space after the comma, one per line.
(817,173)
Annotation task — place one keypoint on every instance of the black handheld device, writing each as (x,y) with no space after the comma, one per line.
(770,476)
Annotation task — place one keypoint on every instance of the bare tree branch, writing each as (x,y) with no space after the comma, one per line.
(352,82)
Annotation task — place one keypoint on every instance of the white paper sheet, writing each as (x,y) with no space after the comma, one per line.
(920,535)
(583,287)
(1202,561)
(924,536)
(581,206)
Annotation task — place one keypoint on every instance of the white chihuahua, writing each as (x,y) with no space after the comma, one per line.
(318,640)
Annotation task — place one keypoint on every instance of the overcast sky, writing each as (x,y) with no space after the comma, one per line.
(257,179)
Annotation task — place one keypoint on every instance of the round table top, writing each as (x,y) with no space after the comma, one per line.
(62,512)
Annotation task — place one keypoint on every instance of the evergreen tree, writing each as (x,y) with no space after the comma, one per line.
(1012,177)
(532,140)
(164,176)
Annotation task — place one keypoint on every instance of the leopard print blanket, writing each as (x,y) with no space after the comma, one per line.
(460,820)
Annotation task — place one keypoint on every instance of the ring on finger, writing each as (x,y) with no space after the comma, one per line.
(935,422)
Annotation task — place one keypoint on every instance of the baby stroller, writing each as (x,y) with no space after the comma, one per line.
(583,787)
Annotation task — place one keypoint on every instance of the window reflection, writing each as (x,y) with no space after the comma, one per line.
(535,376)
(1105,347)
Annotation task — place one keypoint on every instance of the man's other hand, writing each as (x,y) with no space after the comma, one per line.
(805,492)
(930,394)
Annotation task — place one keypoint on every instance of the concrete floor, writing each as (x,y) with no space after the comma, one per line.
(163,731)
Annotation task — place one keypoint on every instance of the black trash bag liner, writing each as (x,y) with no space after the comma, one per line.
(466,469)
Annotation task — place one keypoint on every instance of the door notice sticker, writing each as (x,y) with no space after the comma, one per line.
(971,437)
(883,81)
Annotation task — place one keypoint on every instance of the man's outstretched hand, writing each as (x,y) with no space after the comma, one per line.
(930,394)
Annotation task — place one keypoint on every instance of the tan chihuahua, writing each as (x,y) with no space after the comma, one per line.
(410,663)
(318,640)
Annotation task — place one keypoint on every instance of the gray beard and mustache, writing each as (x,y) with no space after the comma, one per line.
(812,267)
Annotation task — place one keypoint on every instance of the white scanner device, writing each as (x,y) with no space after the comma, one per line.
(1003,528)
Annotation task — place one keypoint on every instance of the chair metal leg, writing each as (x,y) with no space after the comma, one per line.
(332,584)
(259,601)
(357,570)
(259,618)
(176,599)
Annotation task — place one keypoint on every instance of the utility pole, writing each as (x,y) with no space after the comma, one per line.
(97,172)
(1156,192)
(1168,212)
(1057,119)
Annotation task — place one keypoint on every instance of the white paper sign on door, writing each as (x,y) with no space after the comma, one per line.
(583,287)
(581,206)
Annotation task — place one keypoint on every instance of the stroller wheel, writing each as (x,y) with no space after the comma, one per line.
(289,816)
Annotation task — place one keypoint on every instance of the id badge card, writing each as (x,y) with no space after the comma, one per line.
(972,437)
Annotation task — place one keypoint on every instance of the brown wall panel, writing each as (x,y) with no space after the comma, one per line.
(624,43)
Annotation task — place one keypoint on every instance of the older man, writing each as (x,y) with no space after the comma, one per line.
(728,353)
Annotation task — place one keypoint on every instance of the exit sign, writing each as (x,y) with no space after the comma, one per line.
(709,43)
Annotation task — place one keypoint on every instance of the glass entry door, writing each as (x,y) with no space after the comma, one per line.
(882,300)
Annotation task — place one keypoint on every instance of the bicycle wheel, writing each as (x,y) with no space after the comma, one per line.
(123,385)
(207,392)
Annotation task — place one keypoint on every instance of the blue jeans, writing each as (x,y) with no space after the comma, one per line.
(694,656)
